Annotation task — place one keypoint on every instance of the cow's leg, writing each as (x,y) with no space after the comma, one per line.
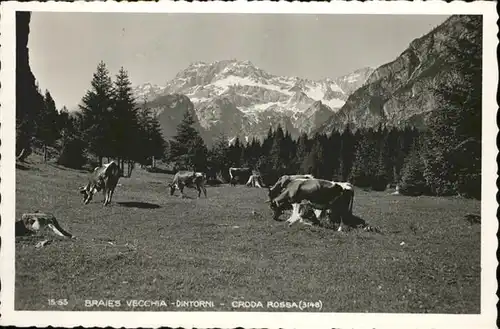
(199,190)
(292,216)
(181,189)
(295,215)
(105,193)
(204,190)
(111,191)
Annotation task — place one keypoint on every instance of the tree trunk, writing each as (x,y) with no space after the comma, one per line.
(130,168)
(153,162)
(30,223)
(44,153)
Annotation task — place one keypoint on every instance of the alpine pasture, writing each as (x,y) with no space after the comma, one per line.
(149,245)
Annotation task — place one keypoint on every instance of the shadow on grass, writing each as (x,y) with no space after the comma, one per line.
(355,221)
(22,166)
(61,167)
(141,205)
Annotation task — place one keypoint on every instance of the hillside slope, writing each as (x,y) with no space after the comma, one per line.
(400,92)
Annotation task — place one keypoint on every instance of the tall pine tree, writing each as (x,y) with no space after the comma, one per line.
(96,107)
(47,129)
(187,149)
(125,144)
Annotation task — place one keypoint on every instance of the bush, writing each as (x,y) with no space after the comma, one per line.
(72,154)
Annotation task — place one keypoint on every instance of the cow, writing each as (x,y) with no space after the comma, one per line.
(322,195)
(255,180)
(103,178)
(189,179)
(237,174)
(282,182)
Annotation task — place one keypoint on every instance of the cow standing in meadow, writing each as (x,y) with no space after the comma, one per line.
(103,178)
(188,179)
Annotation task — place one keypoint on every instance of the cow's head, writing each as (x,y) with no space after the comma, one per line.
(172,188)
(88,192)
(90,189)
(274,191)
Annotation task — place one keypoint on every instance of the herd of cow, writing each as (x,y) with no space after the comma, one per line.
(301,193)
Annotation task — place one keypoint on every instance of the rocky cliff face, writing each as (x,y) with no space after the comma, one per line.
(401,92)
(239,99)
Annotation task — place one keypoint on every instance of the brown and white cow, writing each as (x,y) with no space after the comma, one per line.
(322,195)
(103,178)
(189,179)
(282,182)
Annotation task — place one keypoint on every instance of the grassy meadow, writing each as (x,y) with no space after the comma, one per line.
(149,245)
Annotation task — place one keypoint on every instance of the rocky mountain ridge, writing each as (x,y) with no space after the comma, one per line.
(239,99)
(401,92)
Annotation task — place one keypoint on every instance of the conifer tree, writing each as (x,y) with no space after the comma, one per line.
(125,144)
(96,110)
(347,151)
(47,131)
(314,162)
(219,157)
(412,174)
(362,171)
(187,149)
(277,152)
(301,153)
(153,145)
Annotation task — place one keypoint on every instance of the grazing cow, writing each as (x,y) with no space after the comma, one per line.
(237,174)
(282,182)
(103,178)
(322,195)
(189,179)
(255,180)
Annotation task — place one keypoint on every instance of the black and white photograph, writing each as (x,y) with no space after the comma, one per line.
(249,164)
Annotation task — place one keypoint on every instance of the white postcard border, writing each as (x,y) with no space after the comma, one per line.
(489,204)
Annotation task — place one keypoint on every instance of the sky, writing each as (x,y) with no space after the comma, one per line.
(65,48)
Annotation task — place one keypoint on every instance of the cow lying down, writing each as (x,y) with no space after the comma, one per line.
(325,197)
(190,179)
